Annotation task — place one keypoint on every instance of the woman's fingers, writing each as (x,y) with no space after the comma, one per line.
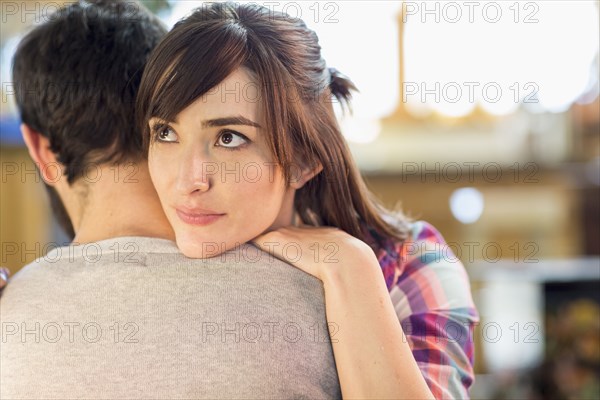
(289,245)
(4,274)
(315,250)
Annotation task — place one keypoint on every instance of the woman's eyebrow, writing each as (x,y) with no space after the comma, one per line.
(237,120)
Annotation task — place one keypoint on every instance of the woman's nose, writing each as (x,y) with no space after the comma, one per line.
(194,172)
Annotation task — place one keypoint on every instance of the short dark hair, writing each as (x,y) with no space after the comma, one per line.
(76,77)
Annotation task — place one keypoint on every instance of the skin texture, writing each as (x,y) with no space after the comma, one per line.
(194,165)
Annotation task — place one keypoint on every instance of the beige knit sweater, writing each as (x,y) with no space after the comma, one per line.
(132,318)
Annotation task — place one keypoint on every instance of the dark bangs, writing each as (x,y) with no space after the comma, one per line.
(191,60)
(203,49)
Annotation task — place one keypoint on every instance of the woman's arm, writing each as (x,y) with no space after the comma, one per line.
(372,353)
(420,319)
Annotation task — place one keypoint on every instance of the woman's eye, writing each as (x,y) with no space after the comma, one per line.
(165,134)
(231,139)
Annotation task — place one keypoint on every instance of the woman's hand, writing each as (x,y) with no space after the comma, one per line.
(323,252)
(4,274)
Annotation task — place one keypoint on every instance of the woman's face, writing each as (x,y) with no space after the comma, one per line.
(214,173)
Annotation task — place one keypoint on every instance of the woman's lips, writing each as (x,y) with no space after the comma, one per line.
(197,218)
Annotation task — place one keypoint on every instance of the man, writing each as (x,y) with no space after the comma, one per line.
(121,313)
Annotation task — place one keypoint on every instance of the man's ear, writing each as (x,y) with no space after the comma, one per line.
(303,175)
(39,150)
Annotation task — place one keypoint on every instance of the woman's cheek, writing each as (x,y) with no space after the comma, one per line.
(160,173)
(250,199)
(272,193)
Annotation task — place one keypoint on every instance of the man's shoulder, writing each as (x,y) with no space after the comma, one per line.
(62,262)
(133,258)
(58,258)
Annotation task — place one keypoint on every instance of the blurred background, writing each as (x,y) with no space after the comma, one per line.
(482,118)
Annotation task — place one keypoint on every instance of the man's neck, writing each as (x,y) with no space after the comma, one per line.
(121,202)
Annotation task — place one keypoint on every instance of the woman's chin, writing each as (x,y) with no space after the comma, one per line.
(203,249)
(199,249)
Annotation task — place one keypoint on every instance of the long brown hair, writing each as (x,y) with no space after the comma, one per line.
(296,91)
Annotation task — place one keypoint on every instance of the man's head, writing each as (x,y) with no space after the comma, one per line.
(76,77)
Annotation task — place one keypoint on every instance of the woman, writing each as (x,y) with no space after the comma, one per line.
(244,146)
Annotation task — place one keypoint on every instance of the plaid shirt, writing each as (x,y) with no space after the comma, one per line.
(431,293)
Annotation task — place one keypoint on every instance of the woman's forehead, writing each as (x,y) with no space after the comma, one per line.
(237,95)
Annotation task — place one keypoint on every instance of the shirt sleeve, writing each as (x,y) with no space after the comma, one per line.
(432,297)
